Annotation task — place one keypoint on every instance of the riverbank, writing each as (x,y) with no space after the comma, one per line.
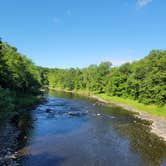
(11,128)
(8,145)
(15,104)
(155,114)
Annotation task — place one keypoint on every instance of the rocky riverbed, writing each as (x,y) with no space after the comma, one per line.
(158,123)
(73,130)
(8,145)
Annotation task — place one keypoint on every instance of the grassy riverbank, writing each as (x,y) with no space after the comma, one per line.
(13,104)
(151,109)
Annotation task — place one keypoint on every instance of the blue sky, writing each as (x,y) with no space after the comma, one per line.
(76,33)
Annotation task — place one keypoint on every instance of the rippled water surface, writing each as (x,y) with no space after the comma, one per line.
(69,130)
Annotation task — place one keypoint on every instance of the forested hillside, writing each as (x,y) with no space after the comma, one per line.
(19,80)
(143,80)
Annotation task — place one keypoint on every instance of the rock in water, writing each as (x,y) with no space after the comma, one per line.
(76,113)
(48,110)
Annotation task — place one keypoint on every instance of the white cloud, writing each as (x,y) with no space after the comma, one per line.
(118,62)
(142,3)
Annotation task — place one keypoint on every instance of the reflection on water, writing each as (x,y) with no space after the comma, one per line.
(56,133)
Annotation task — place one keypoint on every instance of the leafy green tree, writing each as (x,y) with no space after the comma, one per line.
(18,77)
(143,80)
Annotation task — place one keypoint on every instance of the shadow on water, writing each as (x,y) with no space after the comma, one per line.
(43,159)
(150,148)
(25,124)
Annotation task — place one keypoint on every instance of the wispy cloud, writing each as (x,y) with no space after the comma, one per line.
(118,62)
(143,3)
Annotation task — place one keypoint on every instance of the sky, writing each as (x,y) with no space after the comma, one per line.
(77,33)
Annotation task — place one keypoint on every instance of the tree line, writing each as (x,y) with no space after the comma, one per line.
(19,79)
(143,80)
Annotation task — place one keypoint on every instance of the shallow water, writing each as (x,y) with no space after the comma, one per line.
(96,136)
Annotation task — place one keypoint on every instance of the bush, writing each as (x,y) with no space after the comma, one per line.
(6,103)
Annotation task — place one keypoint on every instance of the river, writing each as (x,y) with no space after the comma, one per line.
(71,130)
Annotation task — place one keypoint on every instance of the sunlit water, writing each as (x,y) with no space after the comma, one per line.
(98,136)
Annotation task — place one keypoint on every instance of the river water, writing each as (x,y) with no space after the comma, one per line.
(70,130)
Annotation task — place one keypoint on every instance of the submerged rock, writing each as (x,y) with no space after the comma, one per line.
(48,110)
(76,113)
(59,104)
(51,115)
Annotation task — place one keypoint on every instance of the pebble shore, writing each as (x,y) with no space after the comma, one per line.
(8,145)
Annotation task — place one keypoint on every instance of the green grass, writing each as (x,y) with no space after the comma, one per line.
(17,104)
(151,109)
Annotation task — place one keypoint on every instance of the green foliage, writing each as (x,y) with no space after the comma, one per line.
(18,75)
(92,78)
(43,75)
(6,101)
(16,71)
(143,80)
